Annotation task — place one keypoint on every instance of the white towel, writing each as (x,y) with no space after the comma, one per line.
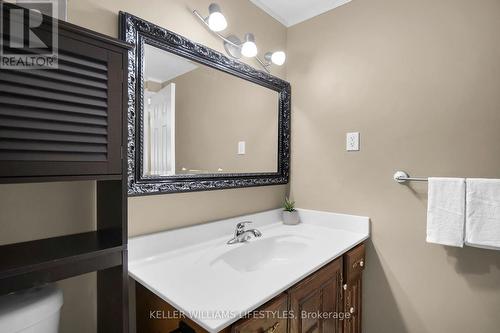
(446,211)
(482,226)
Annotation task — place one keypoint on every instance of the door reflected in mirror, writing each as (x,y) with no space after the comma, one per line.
(200,120)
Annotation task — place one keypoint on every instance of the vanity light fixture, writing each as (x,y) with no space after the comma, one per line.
(234,47)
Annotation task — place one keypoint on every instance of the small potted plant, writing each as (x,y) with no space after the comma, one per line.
(290,215)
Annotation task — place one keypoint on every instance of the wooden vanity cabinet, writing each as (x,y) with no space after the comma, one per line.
(314,305)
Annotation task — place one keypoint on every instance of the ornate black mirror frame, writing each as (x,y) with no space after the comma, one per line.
(139,32)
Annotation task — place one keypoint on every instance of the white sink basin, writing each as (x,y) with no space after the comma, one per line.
(215,284)
(260,252)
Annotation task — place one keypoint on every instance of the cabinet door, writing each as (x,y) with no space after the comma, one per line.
(354,265)
(352,305)
(65,121)
(272,320)
(316,301)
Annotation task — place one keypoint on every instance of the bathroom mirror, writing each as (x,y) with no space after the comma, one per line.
(198,120)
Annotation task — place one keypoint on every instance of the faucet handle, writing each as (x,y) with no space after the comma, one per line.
(241,225)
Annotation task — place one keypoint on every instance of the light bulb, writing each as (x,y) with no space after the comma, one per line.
(216,21)
(249,49)
(278,58)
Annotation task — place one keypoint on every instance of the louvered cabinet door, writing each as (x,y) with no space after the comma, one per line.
(65,121)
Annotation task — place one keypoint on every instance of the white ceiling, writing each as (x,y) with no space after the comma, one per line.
(162,66)
(291,12)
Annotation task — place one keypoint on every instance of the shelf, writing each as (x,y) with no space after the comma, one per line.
(28,264)
(45,179)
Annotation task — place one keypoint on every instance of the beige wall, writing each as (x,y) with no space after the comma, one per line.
(420,80)
(213,112)
(35,211)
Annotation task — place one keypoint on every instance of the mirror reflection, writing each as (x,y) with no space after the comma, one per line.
(199,120)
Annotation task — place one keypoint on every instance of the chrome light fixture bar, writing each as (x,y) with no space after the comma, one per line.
(235,48)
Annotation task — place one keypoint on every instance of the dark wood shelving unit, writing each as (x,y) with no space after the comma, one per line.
(48,133)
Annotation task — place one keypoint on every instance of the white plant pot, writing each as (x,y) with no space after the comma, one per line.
(291,218)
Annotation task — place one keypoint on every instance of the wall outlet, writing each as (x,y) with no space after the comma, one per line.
(241,148)
(352,141)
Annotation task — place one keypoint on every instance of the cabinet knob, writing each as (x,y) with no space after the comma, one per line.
(351,310)
(361,263)
(345,286)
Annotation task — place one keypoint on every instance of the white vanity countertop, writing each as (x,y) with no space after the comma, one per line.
(215,284)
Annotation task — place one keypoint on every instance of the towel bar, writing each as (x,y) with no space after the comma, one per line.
(403,177)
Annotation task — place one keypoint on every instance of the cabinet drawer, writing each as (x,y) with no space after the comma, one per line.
(273,319)
(354,263)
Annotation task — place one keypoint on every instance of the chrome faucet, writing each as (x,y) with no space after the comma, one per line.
(241,235)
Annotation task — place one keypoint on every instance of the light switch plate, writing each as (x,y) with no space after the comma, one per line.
(352,141)
(241,148)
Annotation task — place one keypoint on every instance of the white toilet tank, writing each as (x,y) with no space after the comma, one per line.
(35,310)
